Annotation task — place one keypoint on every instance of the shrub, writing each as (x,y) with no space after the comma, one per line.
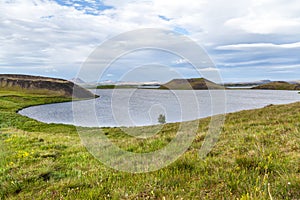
(162,119)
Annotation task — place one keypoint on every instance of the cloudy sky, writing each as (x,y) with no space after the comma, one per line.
(247,40)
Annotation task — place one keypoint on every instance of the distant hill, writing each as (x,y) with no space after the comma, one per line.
(43,85)
(193,83)
(278,85)
(106,87)
(244,84)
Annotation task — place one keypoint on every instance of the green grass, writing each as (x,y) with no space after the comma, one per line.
(106,86)
(257,157)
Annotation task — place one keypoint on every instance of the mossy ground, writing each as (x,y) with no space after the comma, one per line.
(257,157)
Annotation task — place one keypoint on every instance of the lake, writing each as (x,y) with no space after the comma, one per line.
(138,107)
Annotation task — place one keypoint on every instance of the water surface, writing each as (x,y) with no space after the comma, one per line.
(137,107)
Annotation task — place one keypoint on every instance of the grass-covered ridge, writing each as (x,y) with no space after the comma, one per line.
(278,85)
(257,157)
(191,84)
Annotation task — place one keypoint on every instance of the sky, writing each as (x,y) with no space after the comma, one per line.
(246,40)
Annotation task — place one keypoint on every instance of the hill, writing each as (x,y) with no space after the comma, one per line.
(193,83)
(278,85)
(245,84)
(43,85)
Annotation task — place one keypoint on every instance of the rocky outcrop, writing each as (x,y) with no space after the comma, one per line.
(38,84)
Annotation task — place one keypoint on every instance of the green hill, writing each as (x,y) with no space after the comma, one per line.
(278,85)
(43,86)
(189,84)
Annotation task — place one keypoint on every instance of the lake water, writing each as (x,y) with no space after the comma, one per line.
(137,107)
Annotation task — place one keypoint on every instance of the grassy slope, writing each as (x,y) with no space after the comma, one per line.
(279,85)
(257,156)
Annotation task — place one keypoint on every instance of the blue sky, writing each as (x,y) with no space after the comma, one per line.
(247,40)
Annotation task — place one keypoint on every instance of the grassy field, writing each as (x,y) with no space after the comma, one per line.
(257,157)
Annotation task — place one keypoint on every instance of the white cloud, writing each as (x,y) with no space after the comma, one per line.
(258,45)
(180,61)
(282,67)
(257,62)
(269,17)
(44,33)
(29,36)
(265,24)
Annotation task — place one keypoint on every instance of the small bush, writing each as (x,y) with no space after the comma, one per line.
(162,119)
